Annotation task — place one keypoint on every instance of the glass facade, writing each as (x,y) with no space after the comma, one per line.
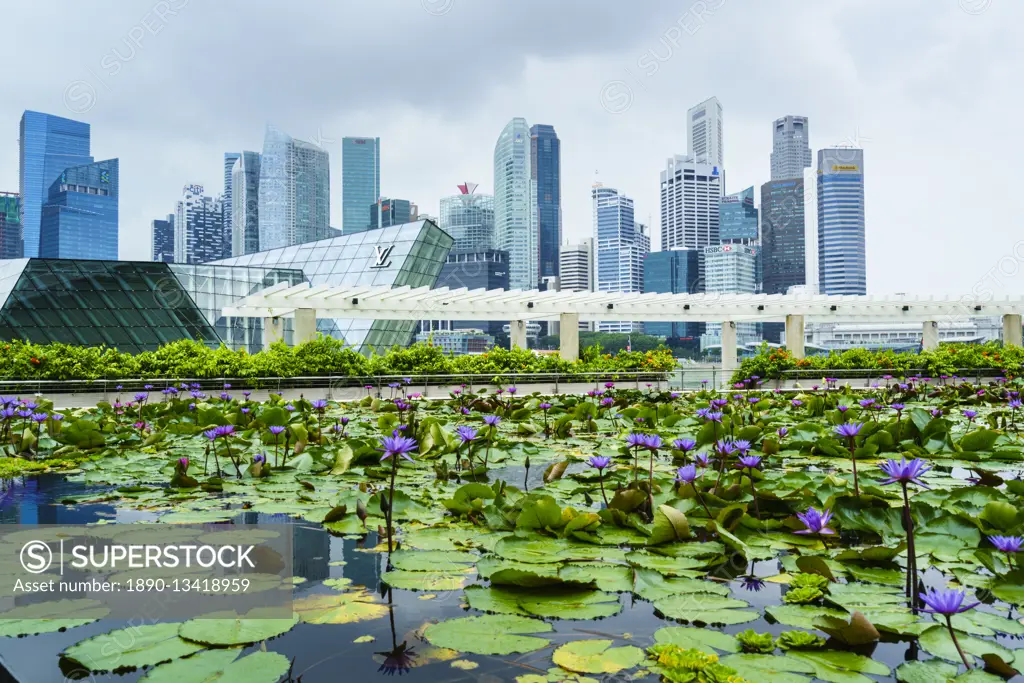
(229,183)
(294,192)
(622,245)
(47,145)
(245,199)
(199,234)
(469,218)
(515,201)
(476,270)
(11,238)
(411,254)
(130,306)
(783,239)
(79,218)
(546,173)
(360,181)
(737,220)
(841,248)
(673,272)
(163,239)
(388,212)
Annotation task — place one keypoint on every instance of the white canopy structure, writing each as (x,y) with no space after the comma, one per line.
(306,303)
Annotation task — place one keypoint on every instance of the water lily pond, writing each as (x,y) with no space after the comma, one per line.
(747,535)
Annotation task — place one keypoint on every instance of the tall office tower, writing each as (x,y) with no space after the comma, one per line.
(294,192)
(730,269)
(11,240)
(783,235)
(704,133)
(386,212)
(690,196)
(673,272)
(199,227)
(622,245)
(515,215)
(484,269)
(79,218)
(469,218)
(841,247)
(163,239)
(737,220)
(245,201)
(360,181)
(576,267)
(791,148)
(229,163)
(546,175)
(47,145)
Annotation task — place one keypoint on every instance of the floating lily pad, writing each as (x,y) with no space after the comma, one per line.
(936,641)
(705,608)
(339,608)
(47,617)
(432,560)
(754,667)
(689,637)
(426,581)
(225,629)
(131,647)
(551,603)
(597,657)
(840,667)
(499,634)
(802,616)
(222,666)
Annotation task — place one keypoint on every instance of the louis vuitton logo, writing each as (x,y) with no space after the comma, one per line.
(383,256)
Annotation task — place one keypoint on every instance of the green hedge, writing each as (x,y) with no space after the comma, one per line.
(948,359)
(322,357)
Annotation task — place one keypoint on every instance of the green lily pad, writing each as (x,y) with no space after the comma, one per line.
(426,581)
(669,566)
(607,577)
(551,603)
(802,616)
(754,667)
(432,560)
(697,638)
(840,667)
(936,641)
(931,671)
(339,608)
(228,628)
(597,657)
(131,647)
(48,617)
(497,634)
(705,608)
(222,666)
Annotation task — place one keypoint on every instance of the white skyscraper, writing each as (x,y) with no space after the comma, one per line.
(691,193)
(199,234)
(705,134)
(791,148)
(245,225)
(515,215)
(576,267)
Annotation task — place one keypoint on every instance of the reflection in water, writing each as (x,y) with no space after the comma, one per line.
(401,657)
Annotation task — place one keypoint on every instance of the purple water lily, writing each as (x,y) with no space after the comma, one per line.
(816,522)
(685,445)
(948,603)
(849,431)
(1007,544)
(905,472)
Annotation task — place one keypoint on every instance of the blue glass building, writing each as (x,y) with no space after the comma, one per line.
(841,247)
(622,244)
(79,218)
(545,171)
(737,218)
(163,239)
(11,242)
(387,212)
(360,181)
(229,163)
(48,144)
(673,272)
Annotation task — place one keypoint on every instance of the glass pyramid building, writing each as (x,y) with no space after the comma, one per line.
(411,254)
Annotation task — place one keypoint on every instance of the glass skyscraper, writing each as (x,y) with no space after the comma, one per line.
(11,241)
(163,239)
(360,181)
(199,228)
(515,201)
(386,212)
(622,245)
(79,218)
(546,173)
(294,191)
(229,163)
(783,240)
(47,145)
(737,221)
(673,272)
(245,200)
(469,218)
(841,247)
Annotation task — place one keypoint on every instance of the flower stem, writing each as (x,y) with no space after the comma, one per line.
(391,505)
(853,456)
(908,520)
(952,634)
(601,481)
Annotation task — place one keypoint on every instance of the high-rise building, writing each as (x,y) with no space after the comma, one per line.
(691,194)
(576,267)
(705,134)
(841,246)
(782,235)
(546,175)
(229,163)
(360,181)
(791,147)
(199,227)
(515,216)
(473,270)
(245,200)
(386,212)
(79,218)
(469,218)
(673,272)
(163,239)
(48,144)
(737,220)
(730,269)
(11,241)
(622,245)
(294,192)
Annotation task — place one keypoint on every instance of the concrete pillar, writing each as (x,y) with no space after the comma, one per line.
(795,335)
(569,338)
(1012,330)
(728,351)
(273,331)
(305,325)
(930,335)
(517,333)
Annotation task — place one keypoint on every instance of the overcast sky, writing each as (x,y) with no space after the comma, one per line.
(931,89)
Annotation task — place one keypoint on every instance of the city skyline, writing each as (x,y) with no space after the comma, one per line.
(452,127)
